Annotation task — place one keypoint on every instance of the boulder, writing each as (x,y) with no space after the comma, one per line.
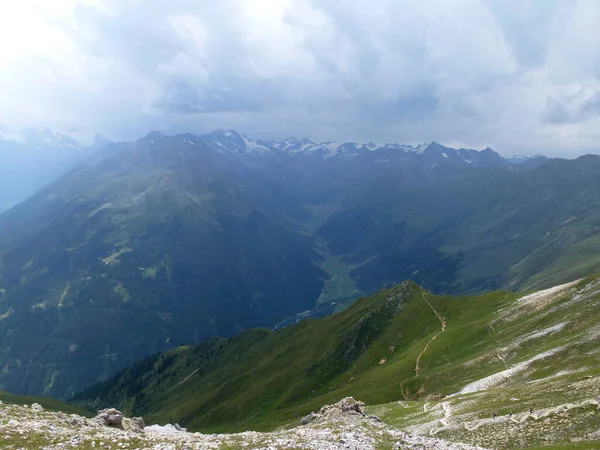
(139,421)
(110,417)
(310,418)
(37,407)
(135,424)
(75,420)
(346,406)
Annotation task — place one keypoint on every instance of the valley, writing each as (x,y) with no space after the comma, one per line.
(299,225)
(213,280)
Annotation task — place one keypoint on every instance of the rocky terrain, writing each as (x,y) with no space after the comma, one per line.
(341,426)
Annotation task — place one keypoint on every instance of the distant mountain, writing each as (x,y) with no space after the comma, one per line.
(174,239)
(30,159)
(157,244)
(487,370)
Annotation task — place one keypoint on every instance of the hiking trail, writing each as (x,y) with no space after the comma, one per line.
(442,321)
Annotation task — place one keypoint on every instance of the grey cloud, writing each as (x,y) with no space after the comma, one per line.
(527,27)
(556,112)
(573,109)
(475,72)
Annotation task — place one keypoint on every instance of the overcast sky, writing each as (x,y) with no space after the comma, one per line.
(519,76)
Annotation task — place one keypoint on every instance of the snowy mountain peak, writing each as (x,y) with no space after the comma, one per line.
(233,143)
(40,138)
(155,135)
(8,134)
(421,148)
(228,133)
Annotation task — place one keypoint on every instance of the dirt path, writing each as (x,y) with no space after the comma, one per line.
(188,377)
(443,322)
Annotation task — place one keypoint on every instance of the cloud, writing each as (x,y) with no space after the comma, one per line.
(522,77)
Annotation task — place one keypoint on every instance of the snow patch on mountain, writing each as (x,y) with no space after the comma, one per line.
(11,135)
(253,146)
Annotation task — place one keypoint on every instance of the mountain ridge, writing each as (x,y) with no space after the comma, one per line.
(435,365)
(221,141)
(187,239)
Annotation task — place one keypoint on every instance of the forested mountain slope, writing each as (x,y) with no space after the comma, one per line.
(174,239)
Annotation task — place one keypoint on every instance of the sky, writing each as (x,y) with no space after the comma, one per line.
(522,77)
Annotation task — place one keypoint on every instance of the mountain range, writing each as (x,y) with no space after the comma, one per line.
(32,158)
(169,240)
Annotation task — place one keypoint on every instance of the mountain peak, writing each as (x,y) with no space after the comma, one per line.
(8,134)
(228,133)
(434,147)
(154,135)
(490,151)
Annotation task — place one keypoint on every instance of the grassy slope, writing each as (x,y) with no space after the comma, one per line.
(561,389)
(262,380)
(48,403)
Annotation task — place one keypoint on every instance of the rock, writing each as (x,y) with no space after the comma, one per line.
(139,421)
(346,406)
(342,426)
(350,405)
(76,420)
(110,417)
(308,419)
(164,429)
(37,407)
(135,424)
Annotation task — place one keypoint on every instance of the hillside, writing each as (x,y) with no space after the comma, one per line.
(150,248)
(174,239)
(47,403)
(435,365)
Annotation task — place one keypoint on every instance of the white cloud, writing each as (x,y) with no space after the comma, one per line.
(520,77)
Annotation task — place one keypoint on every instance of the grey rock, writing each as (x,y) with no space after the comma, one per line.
(37,407)
(139,422)
(110,417)
(308,419)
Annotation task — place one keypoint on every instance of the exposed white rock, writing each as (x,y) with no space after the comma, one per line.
(37,407)
(340,426)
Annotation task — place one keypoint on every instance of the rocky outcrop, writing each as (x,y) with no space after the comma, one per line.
(114,418)
(343,425)
(37,407)
(110,417)
(346,406)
